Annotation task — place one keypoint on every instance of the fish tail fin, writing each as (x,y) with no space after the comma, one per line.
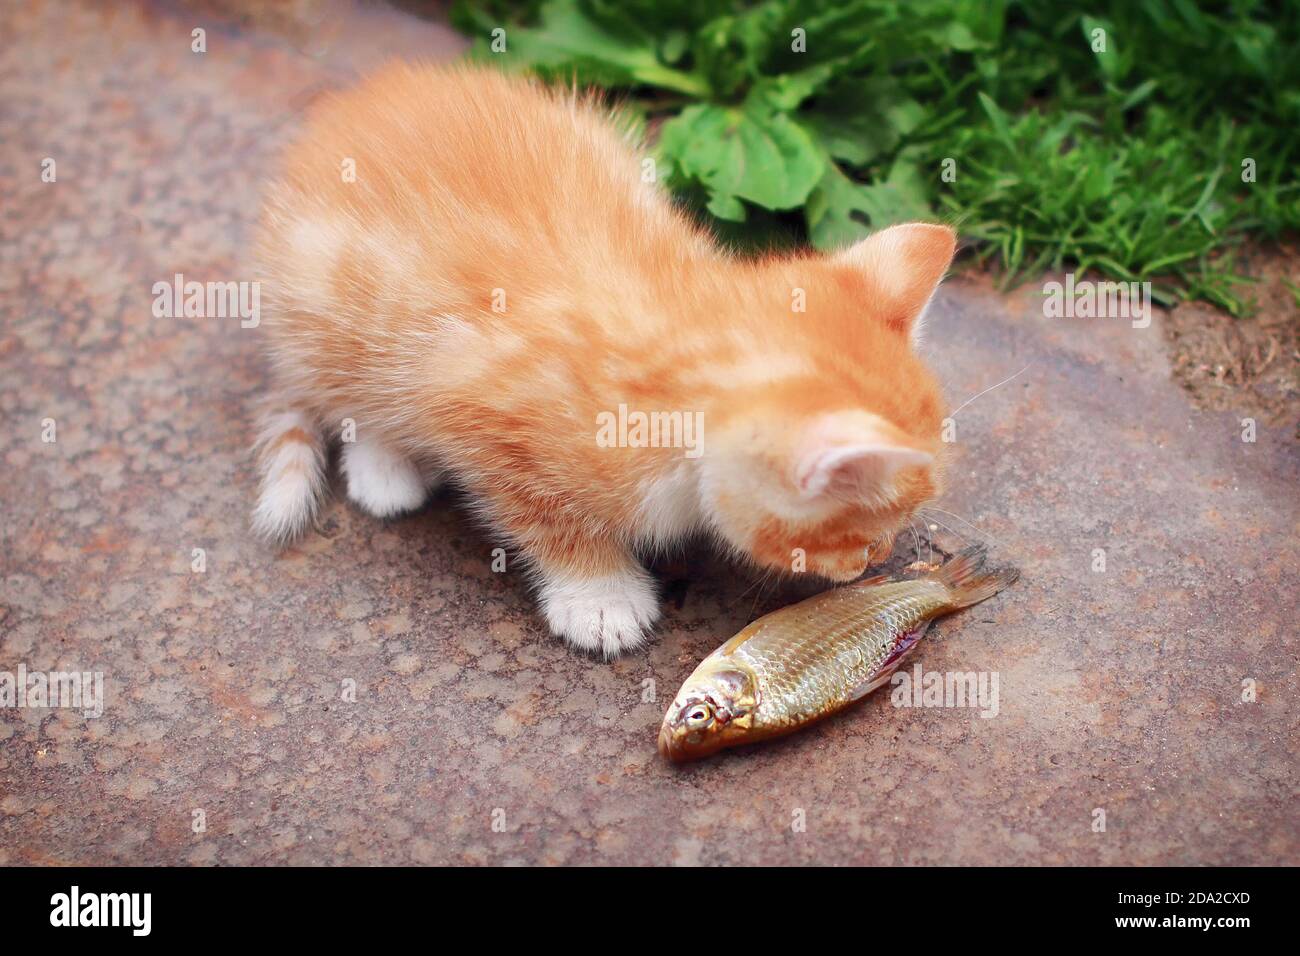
(968,582)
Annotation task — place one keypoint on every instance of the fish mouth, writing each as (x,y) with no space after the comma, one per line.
(667,745)
(674,748)
(665,742)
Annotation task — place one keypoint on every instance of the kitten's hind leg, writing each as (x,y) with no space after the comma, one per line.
(381,479)
(291,458)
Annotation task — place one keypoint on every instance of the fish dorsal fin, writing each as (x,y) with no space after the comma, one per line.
(890,664)
(740,638)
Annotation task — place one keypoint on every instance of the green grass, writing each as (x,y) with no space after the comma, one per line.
(997,116)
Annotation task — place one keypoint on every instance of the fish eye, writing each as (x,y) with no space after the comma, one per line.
(699,715)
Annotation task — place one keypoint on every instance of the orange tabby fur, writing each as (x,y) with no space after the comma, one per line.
(821,427)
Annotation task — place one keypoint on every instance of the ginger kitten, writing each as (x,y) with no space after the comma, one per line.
(496,296)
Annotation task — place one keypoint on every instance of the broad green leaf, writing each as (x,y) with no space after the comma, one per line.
(641,18)
(726,207)
(765,158)
(785,92)
(909,189)
(568,42)
(840,211)
(730,50)
(837,212)
(863,119)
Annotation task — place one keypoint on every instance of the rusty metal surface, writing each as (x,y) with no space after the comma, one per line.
(1120,690)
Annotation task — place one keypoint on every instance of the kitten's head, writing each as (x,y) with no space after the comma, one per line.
(819,468)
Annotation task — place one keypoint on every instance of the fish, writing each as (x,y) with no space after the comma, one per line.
(804,662)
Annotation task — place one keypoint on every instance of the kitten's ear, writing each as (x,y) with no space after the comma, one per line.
(853,454)
(901,266)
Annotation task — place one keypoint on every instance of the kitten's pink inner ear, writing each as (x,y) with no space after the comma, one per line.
(864,466)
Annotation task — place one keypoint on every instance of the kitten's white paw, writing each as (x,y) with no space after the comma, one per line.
(380,480)
(610,614)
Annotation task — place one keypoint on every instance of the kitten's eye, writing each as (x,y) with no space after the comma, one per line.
(701,715)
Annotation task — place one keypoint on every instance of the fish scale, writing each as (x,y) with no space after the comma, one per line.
(809,664)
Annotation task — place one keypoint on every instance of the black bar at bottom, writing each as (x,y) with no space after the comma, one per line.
(334,906)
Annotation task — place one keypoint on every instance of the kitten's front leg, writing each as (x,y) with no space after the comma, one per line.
(382,480)
(606,603)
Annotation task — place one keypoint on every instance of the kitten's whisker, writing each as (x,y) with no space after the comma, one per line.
(966,521)
(929,542)
(976,528)
(759,584)
(764,584)
(950,530)
(915,537)
(953,414)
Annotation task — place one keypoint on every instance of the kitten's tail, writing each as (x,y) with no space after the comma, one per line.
(291,457)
